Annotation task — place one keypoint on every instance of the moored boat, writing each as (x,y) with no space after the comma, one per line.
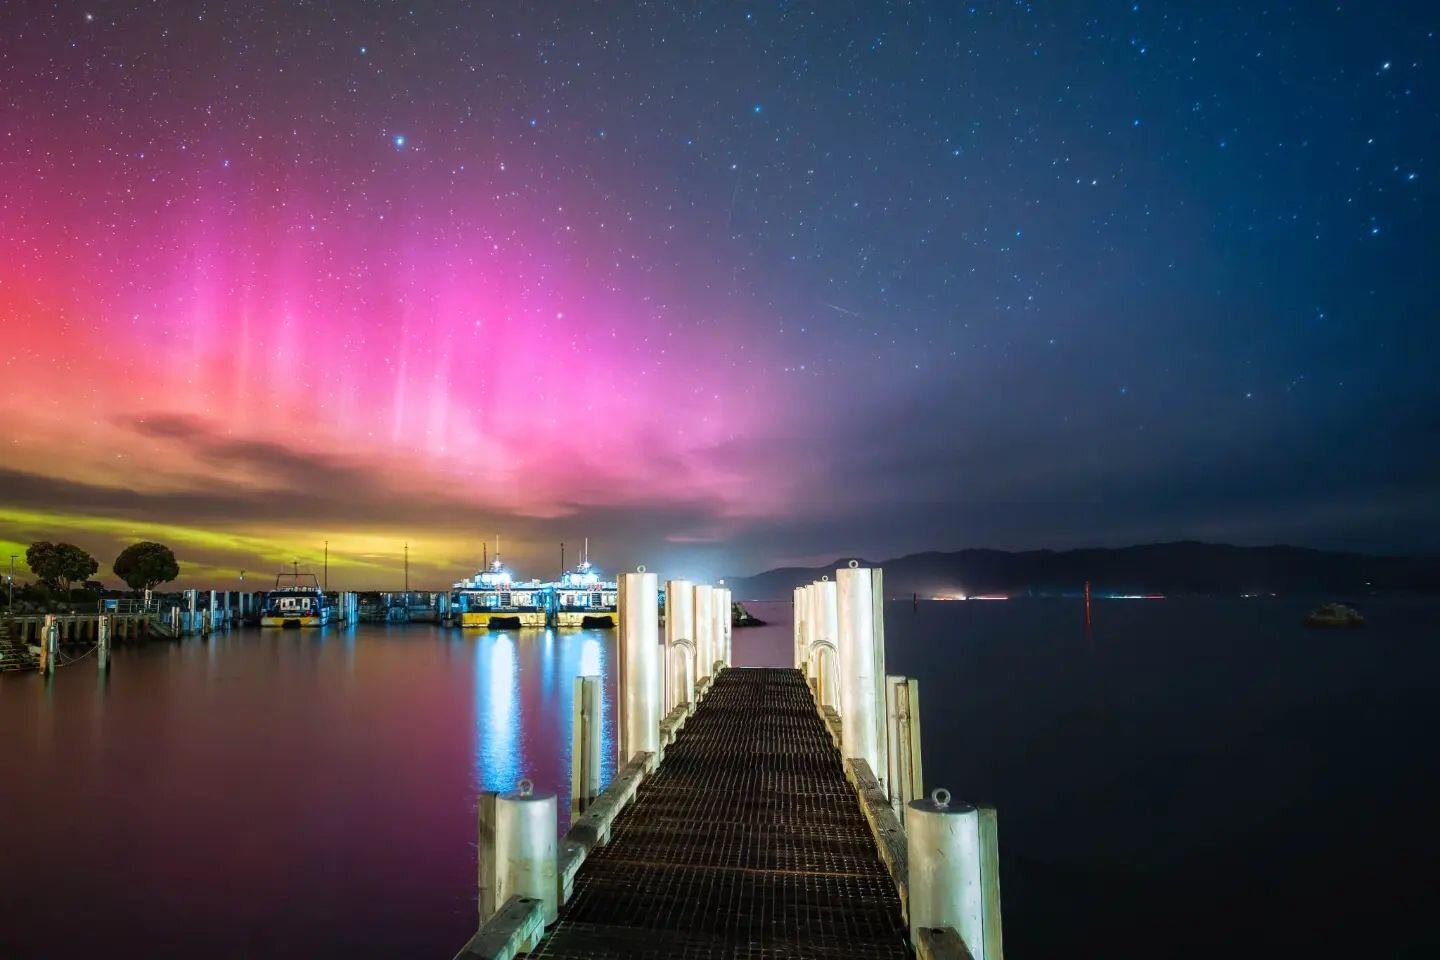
(492,599)
(582,599)
(296,601)
(1334,615)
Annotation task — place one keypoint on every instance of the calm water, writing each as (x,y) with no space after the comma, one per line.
(1190,776)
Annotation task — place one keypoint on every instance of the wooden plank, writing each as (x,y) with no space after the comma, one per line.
(990,883)
(884,826)
(593,828)
(515,928)
(486,879)
(941,943)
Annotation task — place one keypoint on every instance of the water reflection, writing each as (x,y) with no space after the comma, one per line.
(497,720)
(524,699)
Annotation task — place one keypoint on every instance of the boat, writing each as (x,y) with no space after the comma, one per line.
(494,600)
(582,599)
(1334,615)
(296,601)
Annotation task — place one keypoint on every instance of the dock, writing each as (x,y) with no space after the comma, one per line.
(750,822)
(747,841)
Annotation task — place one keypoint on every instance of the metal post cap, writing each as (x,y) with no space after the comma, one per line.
(940,801)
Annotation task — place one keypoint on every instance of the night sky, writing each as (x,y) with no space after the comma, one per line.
(720,285)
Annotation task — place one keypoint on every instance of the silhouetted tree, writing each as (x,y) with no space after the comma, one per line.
(58,565)
(146,565)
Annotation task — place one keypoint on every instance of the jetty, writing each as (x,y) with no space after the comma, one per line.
(768,813)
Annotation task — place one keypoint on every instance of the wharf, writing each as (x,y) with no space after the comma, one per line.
(754,821)
(747,842)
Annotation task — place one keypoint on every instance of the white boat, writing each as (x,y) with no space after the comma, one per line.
(296,601)
(494,600)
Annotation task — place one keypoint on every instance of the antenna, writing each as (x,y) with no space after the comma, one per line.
(587,551)
(562,558)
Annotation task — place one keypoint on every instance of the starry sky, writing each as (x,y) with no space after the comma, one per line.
(719,285)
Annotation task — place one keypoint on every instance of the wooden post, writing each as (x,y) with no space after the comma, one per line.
(50,645)
(485,815)
(102,643)
(902,714)
(585,744)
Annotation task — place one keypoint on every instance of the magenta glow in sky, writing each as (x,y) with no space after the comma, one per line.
(718,285)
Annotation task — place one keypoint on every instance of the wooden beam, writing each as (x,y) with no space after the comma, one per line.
(941,943)
(516,928)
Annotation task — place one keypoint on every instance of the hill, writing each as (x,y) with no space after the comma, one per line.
(1185,567)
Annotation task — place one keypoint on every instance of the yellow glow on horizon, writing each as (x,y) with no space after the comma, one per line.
(359,558)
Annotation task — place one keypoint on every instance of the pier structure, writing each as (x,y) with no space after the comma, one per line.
(778,814)
(45,642)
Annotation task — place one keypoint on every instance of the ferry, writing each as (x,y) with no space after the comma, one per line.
(492,599)
(296,601)
(582,599)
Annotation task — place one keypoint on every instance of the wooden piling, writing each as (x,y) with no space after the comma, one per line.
(585,757)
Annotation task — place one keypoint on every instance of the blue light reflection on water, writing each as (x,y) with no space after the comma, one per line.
(497,712)
(524,692)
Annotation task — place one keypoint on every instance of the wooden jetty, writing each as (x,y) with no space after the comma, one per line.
(751,825)
(746,841)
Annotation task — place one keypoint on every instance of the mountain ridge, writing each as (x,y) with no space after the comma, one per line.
(1174,567)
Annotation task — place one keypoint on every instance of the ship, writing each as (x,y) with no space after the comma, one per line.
(494,600)
(296,601)
(582,599)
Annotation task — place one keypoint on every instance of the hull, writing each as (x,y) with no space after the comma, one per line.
(502,619)
(294,622)
(594,619)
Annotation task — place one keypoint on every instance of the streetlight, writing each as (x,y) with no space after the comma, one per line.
(12,583)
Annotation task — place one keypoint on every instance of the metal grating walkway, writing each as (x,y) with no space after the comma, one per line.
(747,843)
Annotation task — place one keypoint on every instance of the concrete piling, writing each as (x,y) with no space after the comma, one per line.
(723,621)
(526,827)
(704,630)
(798,628)
(824,642)
(639,681)
(585,744)
(954,877)
(681,668)
(861,642)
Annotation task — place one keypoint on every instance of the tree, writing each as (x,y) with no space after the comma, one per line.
(58,565)
(146,565)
